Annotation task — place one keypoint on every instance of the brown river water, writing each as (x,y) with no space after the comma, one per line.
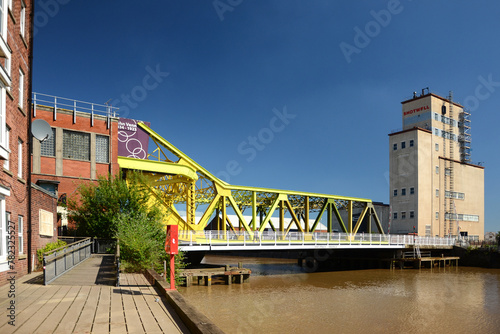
(281,298)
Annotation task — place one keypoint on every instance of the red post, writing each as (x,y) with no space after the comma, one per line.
(172,248)
(172,272)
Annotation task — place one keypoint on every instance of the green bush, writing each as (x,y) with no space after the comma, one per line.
(48,247)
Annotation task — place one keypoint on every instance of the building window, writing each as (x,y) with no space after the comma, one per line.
(395,192)
(436,146)
(20,158)
(6,163)
(102,148)
(20,229)
(436,117)
(7,68)
(403,215)
(21,89)
(411,143)
(2,122)
(437,192)
(4,230)
(76,145)
(437,169)
(394,147)
(436,132)
(403,144)
(412,214)
(412,191)
(48,146)
(403,192)
(22,22)
(437,214)
(395,215)
(447,171)
(427,230)
(3,19)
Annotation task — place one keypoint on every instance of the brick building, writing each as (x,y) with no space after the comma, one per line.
(82,146)
(19,219)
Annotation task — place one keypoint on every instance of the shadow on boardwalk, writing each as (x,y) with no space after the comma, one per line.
(85,301)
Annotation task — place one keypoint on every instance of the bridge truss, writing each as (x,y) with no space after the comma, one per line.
(178,183)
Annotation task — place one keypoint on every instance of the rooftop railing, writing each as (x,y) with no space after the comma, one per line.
(61,103)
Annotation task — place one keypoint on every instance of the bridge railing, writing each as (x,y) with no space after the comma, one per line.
(243,238)
(60,260)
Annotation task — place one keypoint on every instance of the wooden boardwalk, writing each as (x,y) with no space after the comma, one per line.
(87,307)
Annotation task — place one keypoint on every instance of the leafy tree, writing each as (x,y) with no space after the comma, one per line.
(97,206)
(123,209)
(142,241)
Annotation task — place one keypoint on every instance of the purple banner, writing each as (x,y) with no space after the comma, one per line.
(132,140)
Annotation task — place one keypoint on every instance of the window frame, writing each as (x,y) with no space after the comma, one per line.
(22,19)
(21,89)
(412,190)
(67,149)
(20,230)
(403,191)
(395,146)
(52,139)
(412,143)
(395,193)
(20,158)
(97,149)
(6,163)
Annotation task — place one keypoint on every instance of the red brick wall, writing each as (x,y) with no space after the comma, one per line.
(48,165)
(18,121)
(41,200)
(75,171)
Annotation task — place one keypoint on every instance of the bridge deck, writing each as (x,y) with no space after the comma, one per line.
(82,307)
(98,269)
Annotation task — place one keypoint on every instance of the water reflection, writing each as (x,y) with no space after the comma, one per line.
(280,298)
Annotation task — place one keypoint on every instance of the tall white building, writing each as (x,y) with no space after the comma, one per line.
(435,190)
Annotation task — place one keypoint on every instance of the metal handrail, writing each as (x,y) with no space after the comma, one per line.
(55,265)
(244,238)
(72,104)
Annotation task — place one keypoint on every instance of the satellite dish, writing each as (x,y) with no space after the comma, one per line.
(41,130)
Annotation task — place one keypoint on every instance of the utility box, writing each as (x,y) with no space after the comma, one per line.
(172,241)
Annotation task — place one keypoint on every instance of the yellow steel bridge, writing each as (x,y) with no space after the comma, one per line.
(177,181)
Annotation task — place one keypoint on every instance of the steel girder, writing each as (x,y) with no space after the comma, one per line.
(176,179)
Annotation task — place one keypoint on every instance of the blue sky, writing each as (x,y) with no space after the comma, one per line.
(223,70)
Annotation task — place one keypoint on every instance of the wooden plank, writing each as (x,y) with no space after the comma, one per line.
(101,319)
(132,318)
(41,314)
(167,319)
(54,318)
(68,322)
(86,319)
(147,318)
(117,315)
(24,311)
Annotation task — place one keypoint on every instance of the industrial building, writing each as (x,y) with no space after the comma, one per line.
(435,189)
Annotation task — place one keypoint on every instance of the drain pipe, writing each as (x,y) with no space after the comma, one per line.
(30,137)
